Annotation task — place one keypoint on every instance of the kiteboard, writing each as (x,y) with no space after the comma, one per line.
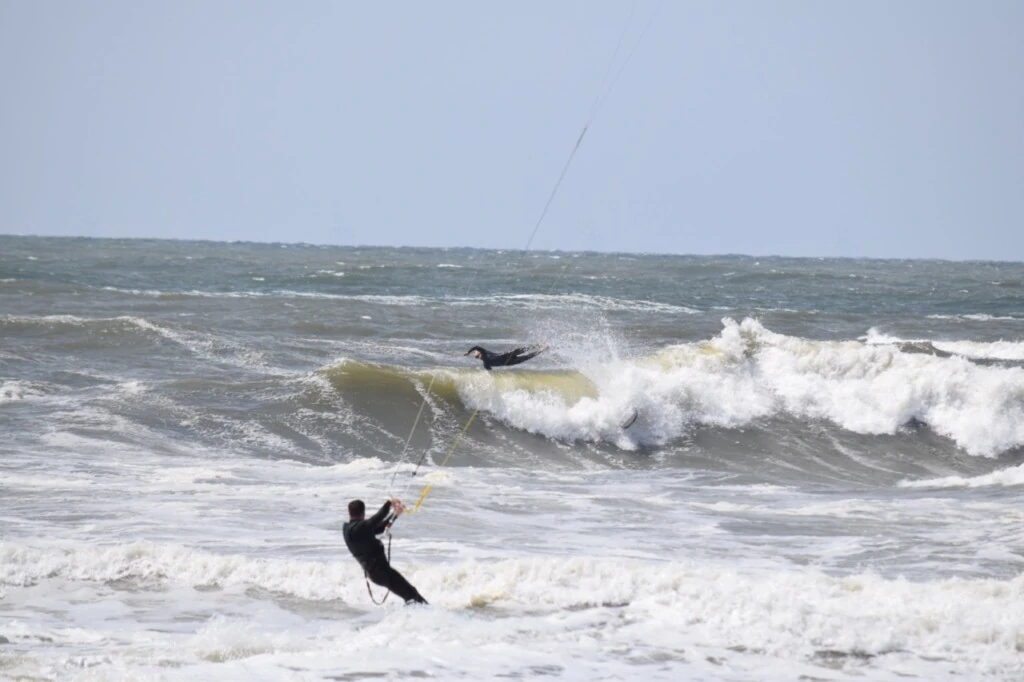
(628,418)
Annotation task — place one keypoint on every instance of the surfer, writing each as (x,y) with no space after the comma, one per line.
(361,538)
(513,357)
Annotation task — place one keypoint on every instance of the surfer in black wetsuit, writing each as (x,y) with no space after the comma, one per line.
(513,357)
(361,538)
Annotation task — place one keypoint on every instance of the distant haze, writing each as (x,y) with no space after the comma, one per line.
(888,129)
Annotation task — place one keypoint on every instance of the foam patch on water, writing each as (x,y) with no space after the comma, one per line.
(1012,476)
(975,317)
(990,350)
(594,614)
(16,391)
(150,562)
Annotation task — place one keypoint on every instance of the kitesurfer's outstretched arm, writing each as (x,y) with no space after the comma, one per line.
(519,355)
(379,522)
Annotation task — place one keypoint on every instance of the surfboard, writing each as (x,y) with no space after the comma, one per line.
(628,419)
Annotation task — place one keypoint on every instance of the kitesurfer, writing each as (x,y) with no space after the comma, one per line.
(361,538)
(513,357)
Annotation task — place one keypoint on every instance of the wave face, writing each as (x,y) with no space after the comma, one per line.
(739,379)
(820,477)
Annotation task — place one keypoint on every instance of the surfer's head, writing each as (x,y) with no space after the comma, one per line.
(476,351)
(356,509)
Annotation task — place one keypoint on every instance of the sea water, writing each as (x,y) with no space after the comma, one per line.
(824,480)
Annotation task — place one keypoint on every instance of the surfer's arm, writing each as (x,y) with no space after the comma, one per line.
(379,521)
(522,354)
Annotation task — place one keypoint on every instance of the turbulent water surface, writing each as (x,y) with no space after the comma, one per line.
(823,481)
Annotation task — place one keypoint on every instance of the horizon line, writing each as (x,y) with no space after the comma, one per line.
(510,249)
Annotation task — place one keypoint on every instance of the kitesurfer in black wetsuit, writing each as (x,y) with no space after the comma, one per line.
(361,538)
(513,357)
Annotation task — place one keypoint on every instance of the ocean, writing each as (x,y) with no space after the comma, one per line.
(824,479)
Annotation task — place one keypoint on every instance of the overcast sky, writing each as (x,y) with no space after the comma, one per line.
(801,128)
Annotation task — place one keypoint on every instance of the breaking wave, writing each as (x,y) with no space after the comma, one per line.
(745,375)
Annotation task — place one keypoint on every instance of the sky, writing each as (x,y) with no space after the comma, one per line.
(797,128)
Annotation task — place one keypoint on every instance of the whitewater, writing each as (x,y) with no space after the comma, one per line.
(823,481)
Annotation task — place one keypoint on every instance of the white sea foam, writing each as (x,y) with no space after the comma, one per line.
(591,615)
(47,319)
(521,301)
(993,350)
(876,337)
(14,391)
(974,317)
(990,350)
(1012,476)
(561,301)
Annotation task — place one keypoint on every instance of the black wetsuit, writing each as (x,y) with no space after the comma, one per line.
(513,357)
(361,538)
